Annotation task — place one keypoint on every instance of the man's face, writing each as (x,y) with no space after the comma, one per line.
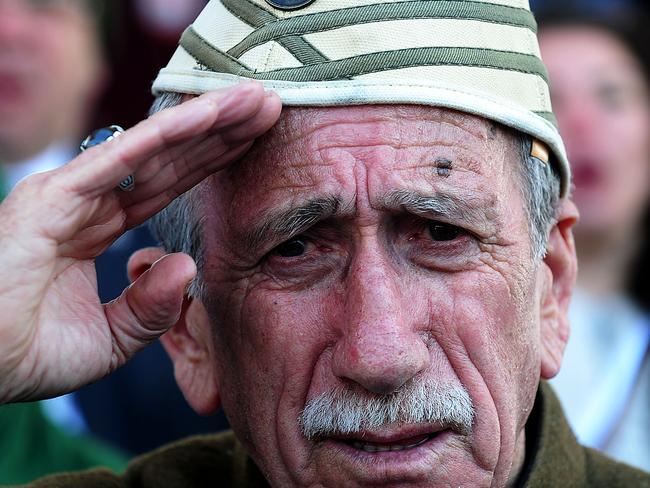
(50,69)
(362,252)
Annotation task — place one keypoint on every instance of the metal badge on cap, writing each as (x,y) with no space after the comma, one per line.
(289,4)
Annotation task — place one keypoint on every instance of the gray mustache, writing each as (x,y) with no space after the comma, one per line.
(346,411)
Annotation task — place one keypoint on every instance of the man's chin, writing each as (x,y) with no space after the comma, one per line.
(438,459)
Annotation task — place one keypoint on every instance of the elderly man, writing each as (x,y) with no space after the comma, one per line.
(376,286)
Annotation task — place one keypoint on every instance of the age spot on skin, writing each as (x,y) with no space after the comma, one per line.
(444,167)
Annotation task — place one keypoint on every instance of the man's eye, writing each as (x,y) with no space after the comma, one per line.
(291,249)
(443,232)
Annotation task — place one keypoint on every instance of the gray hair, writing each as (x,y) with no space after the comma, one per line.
(347,411)
(178,227)
(540,187)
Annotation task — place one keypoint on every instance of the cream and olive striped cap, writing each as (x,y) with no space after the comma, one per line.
(477,56)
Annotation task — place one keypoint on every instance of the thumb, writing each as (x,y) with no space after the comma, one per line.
(149,307)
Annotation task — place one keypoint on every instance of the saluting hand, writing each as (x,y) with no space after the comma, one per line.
(55,335)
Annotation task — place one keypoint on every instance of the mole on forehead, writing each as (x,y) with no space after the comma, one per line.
(444,167)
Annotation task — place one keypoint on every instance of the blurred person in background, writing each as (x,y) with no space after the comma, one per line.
(52,72)
(599,71)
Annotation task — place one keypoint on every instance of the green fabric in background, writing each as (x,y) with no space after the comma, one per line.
(3,184)
(31,446)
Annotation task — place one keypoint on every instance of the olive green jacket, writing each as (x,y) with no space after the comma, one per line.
(554,459)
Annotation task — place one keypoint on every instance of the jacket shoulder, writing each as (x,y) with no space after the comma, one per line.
(602,471)
(556,458)
(214,460)
(197,461)
(96,478)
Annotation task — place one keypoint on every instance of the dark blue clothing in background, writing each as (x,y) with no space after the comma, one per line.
(596,6)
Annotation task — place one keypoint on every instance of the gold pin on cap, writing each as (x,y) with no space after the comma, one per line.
(540,151)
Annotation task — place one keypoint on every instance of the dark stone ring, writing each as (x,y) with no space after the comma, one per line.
(107,134)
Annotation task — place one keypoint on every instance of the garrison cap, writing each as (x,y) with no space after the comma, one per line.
(477,56)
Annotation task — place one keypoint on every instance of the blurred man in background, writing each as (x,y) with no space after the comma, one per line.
(52,72)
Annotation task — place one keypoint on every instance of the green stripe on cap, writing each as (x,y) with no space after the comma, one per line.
(220,61)
(211,57)
(405,58)
(272,29)
(549,116)
(256,16)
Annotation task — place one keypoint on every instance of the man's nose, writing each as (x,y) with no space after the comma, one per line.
(380,348)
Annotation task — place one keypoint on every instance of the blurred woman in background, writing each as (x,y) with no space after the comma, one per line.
(600,86)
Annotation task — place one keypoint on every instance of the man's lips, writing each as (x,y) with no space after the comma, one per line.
(390,440)
(401,445)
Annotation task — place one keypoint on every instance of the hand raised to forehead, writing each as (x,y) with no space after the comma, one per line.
(55,335)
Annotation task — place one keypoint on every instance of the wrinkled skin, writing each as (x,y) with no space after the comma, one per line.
(373,295)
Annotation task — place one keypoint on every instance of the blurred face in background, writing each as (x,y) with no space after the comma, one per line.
(51,71)
(600,97)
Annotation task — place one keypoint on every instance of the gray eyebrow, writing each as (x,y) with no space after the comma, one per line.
(280,225)
(449,206)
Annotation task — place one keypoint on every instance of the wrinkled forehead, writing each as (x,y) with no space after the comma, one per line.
(304,135)
(340,152)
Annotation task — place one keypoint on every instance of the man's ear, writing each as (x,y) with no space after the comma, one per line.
(560,268)
(188,343)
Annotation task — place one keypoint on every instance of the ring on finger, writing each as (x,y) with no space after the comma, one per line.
(106,134)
